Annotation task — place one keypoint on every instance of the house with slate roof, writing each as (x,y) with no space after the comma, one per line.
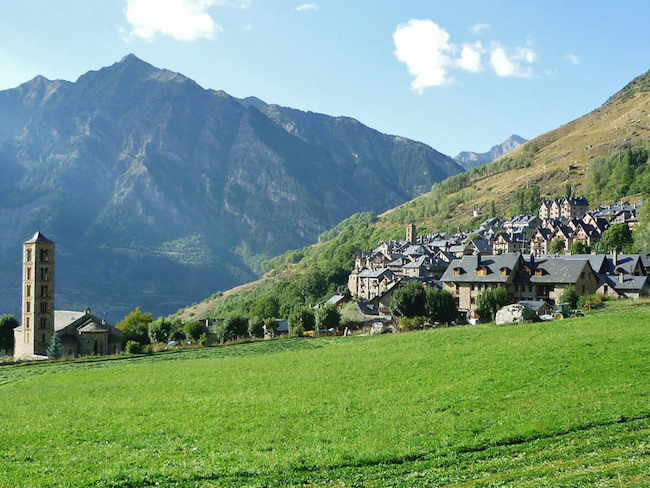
(524,277)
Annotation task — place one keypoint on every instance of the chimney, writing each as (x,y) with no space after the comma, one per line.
(615,257)
(621,278)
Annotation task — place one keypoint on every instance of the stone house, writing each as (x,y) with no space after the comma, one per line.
(540,241)
(367,284)
(508,243)
(525,278)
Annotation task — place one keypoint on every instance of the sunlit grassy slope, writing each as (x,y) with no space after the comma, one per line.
(551,404)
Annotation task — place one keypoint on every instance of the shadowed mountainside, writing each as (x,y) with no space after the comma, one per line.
(159,192)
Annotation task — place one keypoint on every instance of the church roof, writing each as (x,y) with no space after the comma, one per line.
(93,326)
(63,318)
(38,237)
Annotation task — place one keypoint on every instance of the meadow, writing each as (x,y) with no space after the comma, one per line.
(556,404)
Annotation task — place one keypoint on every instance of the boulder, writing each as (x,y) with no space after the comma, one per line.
(513,314)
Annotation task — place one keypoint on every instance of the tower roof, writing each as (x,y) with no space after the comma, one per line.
(38,237)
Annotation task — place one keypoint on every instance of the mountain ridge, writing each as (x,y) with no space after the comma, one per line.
(166,191)
(471,159)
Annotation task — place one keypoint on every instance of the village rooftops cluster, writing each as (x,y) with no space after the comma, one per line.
(514,253)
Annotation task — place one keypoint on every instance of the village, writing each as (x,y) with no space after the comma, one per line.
(534,257)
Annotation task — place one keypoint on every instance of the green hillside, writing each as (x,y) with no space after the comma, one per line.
(603,155)
(550,404)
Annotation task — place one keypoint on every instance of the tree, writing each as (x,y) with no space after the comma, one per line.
(232,328)
(618,237)
(578,247)
(328,317)
(54,348)
(7,325)
(271,326)
(266,306)
(558,246)
(300,320)
(490,301)
(193,329)
(135,326)
(570,295)
(409,300)
(642,232)
(440,305)
(159,330)
(256,327)
(568,189)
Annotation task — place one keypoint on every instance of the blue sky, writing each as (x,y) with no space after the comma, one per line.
(457,75)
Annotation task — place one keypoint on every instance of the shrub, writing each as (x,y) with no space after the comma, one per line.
(411,323)
(256,327)
(570,295)
(133,347)
(590,301)
(193,329)
(177,336)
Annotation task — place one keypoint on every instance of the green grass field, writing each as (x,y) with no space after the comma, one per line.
(562,404)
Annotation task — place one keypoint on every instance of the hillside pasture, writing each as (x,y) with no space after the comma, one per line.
(552,404)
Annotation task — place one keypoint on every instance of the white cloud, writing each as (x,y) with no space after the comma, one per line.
(185,20)
(573,58)
(424,47)
(478,28)
(307,6)
(512,65)
(470,57)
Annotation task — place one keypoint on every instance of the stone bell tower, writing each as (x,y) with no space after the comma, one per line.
(33,336)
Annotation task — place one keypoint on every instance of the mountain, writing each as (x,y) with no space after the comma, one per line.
(469,159)
(606,136)
(159,192)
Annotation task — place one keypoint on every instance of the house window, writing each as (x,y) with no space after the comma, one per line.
(456,271)
(472,300)
(539,272)
(26,322)
(606,289)
(504,271)
(471,286)
(45,256)
(481,272)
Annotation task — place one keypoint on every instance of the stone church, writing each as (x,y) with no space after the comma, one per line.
(80,333)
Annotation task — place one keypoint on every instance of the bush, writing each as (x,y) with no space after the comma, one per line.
(204,340)
(133,347)
(193,329)
(570,295)
(256,327)
(177,336)
(296,330)
(491,300)
(411,323)
(589,302)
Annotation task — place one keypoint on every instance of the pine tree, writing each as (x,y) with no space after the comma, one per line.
(54,349)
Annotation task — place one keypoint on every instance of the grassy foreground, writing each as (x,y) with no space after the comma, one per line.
(554,404)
